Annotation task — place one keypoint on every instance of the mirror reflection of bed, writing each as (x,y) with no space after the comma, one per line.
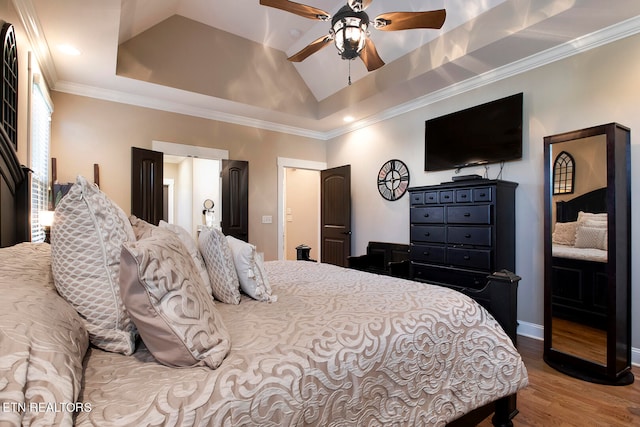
(579,276)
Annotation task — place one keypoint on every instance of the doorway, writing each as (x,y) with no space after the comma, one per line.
(302,211)
(288,233)
(187,167)
(189,182)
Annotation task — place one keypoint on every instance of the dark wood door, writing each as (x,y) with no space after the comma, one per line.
(335,216)
(146,184)
(235,199)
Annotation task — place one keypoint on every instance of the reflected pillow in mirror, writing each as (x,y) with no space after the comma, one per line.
(591,237)
(588,216)
(564,233)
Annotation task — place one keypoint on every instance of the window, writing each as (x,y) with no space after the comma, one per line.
(40,140)
(9,83)
(564,173)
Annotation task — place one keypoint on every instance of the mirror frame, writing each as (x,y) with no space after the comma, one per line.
(617,370)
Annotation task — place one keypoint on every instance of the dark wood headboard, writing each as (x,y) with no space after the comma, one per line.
(594,201)
(14,195)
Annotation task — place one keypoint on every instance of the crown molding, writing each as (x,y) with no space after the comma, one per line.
(181,108)
(29,19)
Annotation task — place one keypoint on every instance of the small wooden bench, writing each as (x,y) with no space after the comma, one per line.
(383,258)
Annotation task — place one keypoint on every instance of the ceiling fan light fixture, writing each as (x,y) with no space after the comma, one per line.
(349,30)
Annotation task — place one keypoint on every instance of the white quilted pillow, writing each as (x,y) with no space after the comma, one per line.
(219,261)
(86,240)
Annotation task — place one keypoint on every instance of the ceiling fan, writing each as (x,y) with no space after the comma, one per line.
(349,28)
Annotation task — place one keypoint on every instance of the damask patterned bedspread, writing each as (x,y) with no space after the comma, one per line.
(339,347)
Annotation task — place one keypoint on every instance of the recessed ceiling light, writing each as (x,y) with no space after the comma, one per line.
(295,33)
(68,49)
(348,119)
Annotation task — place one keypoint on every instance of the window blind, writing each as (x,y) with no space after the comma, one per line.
(40,141)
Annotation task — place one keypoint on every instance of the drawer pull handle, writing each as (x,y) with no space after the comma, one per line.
(431,198)
(426,215)
(467,257)
(463,196)
(483,194)
(446,197)
(425,253)
(427,234)
(468,236)
(467,214)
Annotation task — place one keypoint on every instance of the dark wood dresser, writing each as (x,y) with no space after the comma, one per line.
(462,231)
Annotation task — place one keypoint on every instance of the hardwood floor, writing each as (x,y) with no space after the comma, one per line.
(555,399)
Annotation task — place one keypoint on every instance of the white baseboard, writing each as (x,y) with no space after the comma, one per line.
(534,331)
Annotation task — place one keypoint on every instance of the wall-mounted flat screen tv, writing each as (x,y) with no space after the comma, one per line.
(487,133)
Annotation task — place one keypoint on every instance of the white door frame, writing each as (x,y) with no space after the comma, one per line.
(284,162)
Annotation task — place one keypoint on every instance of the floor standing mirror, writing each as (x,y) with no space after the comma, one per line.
(587,226)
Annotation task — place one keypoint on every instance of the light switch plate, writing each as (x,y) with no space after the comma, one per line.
(267,219)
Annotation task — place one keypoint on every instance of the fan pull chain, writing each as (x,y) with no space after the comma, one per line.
(349,73)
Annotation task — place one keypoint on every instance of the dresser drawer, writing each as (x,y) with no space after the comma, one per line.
(428,233)
(482,194)
(447,276)
(430,197)
(478,214)
(446,196)
(424,198)
(426,253)
(432,215)
(463,196)
(479,236)
(469,258)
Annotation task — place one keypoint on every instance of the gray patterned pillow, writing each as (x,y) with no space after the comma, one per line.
(86,238)
(192,247)
(219,261)
(176,317)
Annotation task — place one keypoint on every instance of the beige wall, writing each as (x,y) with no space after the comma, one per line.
(87,131)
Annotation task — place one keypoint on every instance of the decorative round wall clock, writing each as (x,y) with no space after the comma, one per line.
(393,179)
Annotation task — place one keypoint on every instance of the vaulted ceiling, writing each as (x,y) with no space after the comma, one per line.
(227,59)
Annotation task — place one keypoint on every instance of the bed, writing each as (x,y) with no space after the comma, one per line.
(305,343)
(579,259)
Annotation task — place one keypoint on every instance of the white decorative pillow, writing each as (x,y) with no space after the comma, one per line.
(591,237)
(86,239)
(176,317)
(251,274)
(564,233)
(192,247)
(219,261)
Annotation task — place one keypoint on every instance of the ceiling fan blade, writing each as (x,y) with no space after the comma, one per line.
(359,5)
(394,21)
(370,57)
(311,48)
(298,9)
